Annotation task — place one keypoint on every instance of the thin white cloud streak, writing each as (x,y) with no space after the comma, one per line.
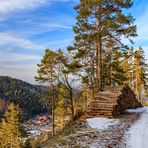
(11,6)
(39,28)
(8,39)
(12,57)
(59,42)
(22,71)
(55,26)
(7,6)
(12,41)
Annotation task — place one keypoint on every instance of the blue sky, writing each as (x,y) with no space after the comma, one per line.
(27,27)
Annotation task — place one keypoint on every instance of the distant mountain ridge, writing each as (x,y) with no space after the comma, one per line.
(29,97)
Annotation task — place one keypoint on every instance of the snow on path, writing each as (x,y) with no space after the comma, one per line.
(101,123)
(138,110)
(137,135)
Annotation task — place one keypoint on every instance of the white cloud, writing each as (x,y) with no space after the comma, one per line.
(13,57)
(6,39)
(24,72)
(7,6)
(12,41)
(19,65)
(23,66)
(47,25)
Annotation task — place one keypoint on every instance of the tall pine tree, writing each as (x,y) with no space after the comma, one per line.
(140,72)
(103,23)
(113,72)
(10,128)
(128,67)
(47,73)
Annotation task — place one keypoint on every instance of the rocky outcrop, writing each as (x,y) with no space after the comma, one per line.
(112,102)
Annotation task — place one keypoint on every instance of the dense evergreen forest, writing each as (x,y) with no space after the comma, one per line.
(28,97)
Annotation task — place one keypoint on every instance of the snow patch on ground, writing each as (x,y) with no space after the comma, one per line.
(138,110)
(137,136)
(101,123)
(35,132)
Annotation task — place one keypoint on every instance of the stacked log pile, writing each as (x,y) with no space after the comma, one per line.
(112,102)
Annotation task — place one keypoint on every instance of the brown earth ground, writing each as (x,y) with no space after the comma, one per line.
(80,135)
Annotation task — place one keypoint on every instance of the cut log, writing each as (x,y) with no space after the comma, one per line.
(112,102)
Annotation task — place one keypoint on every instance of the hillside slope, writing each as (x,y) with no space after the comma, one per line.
(93,133)
(28,97)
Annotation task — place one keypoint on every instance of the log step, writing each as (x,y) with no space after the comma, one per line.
(103,101)
(104,116)
(99,115)
(98,104)
(99,110)
(111,102)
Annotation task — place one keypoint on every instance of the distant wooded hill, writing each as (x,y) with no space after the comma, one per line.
(28,97)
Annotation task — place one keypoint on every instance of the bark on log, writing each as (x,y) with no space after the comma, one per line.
(112,102)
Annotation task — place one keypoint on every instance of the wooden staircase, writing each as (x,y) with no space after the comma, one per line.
(108,103)
(102,105)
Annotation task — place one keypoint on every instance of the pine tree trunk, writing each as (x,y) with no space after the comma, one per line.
(53,109)
(53,125)
(72,106)
(62,120)
(98,52)
(72,111)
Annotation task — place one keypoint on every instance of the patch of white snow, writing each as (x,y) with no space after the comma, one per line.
(101,123)
(35,132)
(138,110)
(137,136)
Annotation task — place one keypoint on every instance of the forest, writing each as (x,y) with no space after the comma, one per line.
(23,94)
(71,79)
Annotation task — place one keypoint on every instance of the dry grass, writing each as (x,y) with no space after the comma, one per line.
(146,103)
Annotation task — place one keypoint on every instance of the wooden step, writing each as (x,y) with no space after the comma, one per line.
(103,101)
(99,114)
(104,116)
(99,111)
(106,97)
(114,88)
(111,102)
